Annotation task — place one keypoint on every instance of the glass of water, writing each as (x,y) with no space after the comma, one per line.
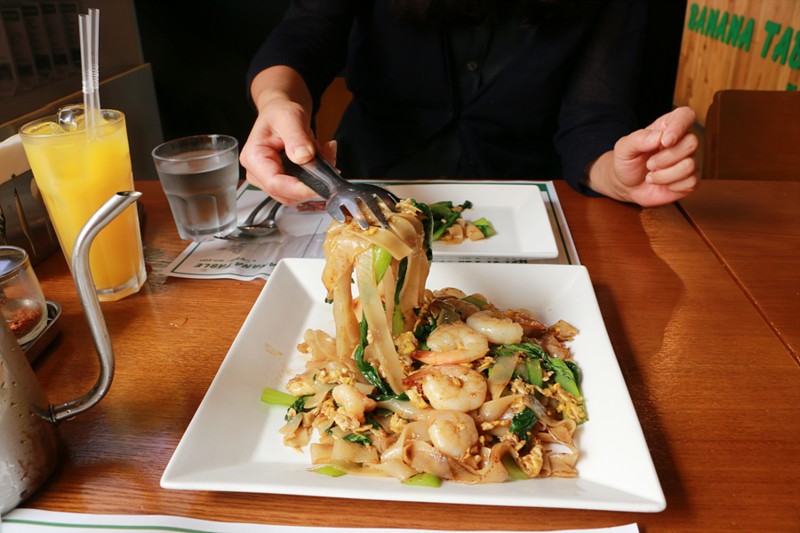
(199,175)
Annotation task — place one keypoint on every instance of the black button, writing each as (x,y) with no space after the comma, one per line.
(472,66)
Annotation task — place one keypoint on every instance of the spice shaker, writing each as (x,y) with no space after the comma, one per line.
(22,303)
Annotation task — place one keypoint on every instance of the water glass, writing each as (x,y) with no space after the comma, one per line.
(199,175)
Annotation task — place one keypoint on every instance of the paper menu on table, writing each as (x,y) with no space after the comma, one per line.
(302,235)
(36,521)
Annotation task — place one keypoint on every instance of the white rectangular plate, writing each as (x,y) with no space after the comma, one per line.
(233,444)
(517,213)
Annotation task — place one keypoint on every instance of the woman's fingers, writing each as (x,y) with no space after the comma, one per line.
(668,157)
(674,125)
(679,171)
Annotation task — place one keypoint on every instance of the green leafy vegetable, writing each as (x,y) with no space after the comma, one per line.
(445,215)
(358,439)
(366,369)
(422,331)
(523,423)
(427,225)
(486,228)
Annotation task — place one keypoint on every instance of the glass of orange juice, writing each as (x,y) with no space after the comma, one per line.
(77,170)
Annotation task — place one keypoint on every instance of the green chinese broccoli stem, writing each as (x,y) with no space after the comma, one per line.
(274,397)
(328,471)
(514,471)
(424,480)
(382,261)
(471,299)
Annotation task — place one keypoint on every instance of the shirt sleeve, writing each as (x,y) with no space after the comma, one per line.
(598,106)
(312,39)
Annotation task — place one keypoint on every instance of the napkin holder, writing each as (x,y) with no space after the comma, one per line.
(24,221)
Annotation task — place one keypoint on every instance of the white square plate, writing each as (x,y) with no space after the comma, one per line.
(233,444)
(517,213)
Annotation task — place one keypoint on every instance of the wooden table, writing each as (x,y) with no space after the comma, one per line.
(715,389)
(754,229)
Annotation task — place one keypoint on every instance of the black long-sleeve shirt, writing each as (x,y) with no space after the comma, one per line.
(562,99)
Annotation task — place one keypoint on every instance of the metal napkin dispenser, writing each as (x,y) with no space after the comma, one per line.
(24,221)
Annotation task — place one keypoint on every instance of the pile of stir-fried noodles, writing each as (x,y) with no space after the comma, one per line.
(428,385)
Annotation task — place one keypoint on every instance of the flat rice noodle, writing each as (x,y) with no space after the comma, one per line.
(292,425)
(389,286)
(540,411)
(425,458)
(319,397)
(353,452)
(406,410)
(356,470)
(341,248)
(501,373)
(562,465)
(410,230)
(320,453)
(299,437)
(422,456)
(388,241)
(347,333)
(364,388)
(413,431)
(382,340)
(395,468)
(494,409)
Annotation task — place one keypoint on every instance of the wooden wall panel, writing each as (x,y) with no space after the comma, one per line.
(765,55)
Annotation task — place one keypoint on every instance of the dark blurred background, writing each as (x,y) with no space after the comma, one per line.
(200,51)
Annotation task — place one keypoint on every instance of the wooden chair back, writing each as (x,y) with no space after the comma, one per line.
(332,106)
(753,135)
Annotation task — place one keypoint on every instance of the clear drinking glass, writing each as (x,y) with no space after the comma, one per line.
(199,175)
(77,170)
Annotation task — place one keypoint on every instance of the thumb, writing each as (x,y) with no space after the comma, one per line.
(637,143)
(297,142)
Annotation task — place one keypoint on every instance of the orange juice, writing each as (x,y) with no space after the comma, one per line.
(76,172)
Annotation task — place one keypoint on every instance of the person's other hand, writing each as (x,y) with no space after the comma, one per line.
(283,123)
(652,166)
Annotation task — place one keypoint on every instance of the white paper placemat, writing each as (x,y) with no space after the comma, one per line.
(36,521)
(302,234)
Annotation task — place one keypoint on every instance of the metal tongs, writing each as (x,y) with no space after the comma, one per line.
(341,195)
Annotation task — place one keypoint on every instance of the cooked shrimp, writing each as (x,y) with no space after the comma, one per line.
(497,328)
(353,401)
(453,344)
(450,387)
(452,432)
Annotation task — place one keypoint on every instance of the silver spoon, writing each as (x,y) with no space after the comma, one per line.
(265,227)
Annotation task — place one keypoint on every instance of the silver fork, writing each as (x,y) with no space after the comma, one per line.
(341,195)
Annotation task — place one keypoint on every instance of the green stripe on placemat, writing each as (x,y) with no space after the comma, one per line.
(98,526)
